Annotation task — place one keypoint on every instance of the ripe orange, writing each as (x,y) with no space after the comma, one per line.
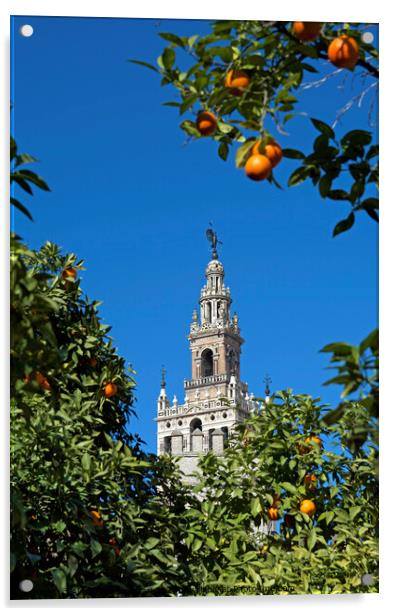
(343,51)
(110,390)
(272,151)
(236,81)
(92,362)
(113,542)
(258,167)
(306,30)
(42,381)
(310,478)
(272,513)
(307,506)
(206,123)
(69,272)
(96,518)
(314,439)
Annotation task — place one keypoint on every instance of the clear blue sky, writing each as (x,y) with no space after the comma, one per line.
(134,201)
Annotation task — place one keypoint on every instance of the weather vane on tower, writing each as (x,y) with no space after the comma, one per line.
(213,239)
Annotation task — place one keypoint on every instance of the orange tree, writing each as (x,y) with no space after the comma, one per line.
(245,79)
(287,465)
(91,514)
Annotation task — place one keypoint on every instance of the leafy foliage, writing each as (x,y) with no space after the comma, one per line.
(24,178)
(358,372)
(276,63)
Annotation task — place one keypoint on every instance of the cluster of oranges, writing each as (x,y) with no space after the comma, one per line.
(306,506)
(343,52)
(310,481)
(98,521)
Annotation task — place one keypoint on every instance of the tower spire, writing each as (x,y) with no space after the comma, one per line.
(163,380)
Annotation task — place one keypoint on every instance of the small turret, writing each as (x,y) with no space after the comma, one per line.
(163,401)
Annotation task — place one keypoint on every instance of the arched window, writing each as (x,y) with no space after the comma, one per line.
(226,436)
(195,423)
(167,444)
(207,363)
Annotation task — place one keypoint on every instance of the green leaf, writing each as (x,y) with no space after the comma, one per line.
(172,38)
(325,129)
(290,153)
(324,185)
(223,150)
(211,543)
(59,577)
(151,542)
(190,128)
(357,190)
(32,177)
(168,58)
(146,64)
(298,176)
(344,225)
(192,40)
(311,539)
(338,348)
(256,506)
(243,152)
(224,127)
(353,511)
(338,195)
(357,137)
(21,207)
(96,547)
(188,102)
(86,462)
(289,487)
(22,159)
(372,152)
(371,341)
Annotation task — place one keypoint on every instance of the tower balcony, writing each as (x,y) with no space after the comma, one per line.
(206,380)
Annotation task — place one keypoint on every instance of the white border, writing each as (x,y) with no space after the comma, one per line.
(336,10)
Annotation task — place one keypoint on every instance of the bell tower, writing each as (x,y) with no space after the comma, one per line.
(215,397)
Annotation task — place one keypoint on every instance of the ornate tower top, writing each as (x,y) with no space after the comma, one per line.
(216,399)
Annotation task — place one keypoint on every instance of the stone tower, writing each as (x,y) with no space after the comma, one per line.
(215,397)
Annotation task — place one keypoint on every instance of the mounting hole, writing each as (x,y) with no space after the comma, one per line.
(180,422)
(224,415)
(168,424)
(26,585)
(212,417)
(26,30)
(367,37)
